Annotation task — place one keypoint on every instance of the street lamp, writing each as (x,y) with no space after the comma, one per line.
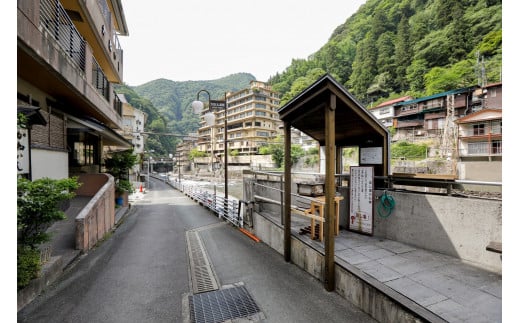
(209,117)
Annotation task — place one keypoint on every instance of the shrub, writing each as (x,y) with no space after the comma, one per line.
(28,265)
(122,185)
(408,150)
(120,163)
(38,207)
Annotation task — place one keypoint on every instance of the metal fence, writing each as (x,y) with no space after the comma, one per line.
(228,209)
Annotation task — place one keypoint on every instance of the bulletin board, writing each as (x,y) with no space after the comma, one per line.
(361,208)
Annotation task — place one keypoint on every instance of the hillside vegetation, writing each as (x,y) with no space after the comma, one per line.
(168,105)
(415,47)
(385,50)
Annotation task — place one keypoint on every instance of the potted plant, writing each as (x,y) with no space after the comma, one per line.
(118,165)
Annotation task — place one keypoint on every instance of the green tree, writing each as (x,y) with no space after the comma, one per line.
(363,67)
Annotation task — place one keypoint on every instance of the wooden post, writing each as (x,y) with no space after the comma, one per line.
(330,192)
(287,193)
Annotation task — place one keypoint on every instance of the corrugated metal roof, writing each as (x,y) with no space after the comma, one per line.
(435,96)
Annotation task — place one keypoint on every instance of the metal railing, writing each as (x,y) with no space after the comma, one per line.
(56,21)
(228,209)
(118,105)
(99,80)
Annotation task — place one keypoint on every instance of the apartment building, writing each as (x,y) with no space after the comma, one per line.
(182,152)
(385,111)
(68,59)
(132,128)
(133,125)
(252,119)
(299,137)
(427,117)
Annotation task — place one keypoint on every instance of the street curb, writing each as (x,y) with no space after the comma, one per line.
(49,273)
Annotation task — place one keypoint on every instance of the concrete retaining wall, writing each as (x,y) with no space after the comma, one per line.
(458,227)
(454,226)
(98,216)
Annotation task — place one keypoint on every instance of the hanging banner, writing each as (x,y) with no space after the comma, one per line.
(361,208)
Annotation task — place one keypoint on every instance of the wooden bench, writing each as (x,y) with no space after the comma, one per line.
(494,246)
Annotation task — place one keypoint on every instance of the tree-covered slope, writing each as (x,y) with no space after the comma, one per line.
(172,99)
(167,104)
(418,47)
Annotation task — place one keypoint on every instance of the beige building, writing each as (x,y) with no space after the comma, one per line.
(252,119)
(68,59)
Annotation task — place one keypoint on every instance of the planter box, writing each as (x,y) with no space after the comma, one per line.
(310,189)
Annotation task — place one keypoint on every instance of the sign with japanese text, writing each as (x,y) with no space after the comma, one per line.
(22,155)
(361,208)
(371,155)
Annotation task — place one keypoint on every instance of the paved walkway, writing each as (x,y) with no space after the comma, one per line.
(453,290)
(63,240)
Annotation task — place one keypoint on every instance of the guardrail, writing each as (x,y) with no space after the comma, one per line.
(229,209)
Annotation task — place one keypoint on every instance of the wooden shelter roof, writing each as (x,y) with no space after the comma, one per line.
(354,124)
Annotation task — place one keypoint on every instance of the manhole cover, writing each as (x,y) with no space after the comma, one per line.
(221,305)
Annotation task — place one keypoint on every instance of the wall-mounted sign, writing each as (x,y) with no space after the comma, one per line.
(22,152)
(361,208)
(371,155)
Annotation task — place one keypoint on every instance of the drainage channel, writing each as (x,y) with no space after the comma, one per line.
(211,303)
(203,278)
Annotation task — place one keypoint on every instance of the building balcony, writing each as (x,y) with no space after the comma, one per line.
(409,123)
(93,19)
(53,55)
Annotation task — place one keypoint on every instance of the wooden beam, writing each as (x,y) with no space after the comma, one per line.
(330,192)
(287,192)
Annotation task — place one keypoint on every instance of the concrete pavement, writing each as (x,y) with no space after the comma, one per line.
(450,289)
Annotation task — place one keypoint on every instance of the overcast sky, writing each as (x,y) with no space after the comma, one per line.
(206,40)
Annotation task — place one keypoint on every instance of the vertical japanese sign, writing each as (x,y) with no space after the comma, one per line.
(22,155)
(361,199)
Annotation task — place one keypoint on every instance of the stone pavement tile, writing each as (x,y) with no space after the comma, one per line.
(403,265)
(394,246)
(377,253)
(352,243)
(415,291)
(475,277)
(340,244)
(427,259)
(352,257)
(493,288)
(463,294)
(453,312)
(365,248)
(379,271)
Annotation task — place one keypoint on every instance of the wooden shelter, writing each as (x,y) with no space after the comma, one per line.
(328,113)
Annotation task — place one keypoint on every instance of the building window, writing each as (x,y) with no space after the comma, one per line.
(478,148)
(496,126)
(496,147)
(262,134)
(479,129)
(83,154)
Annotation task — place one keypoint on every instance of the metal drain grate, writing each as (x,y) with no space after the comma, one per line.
(202,275)
(222,305)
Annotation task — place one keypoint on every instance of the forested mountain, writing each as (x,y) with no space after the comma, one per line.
(167,104)
(418,47)
(389,48)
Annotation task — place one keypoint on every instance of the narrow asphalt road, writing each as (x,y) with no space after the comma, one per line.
(140,273)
